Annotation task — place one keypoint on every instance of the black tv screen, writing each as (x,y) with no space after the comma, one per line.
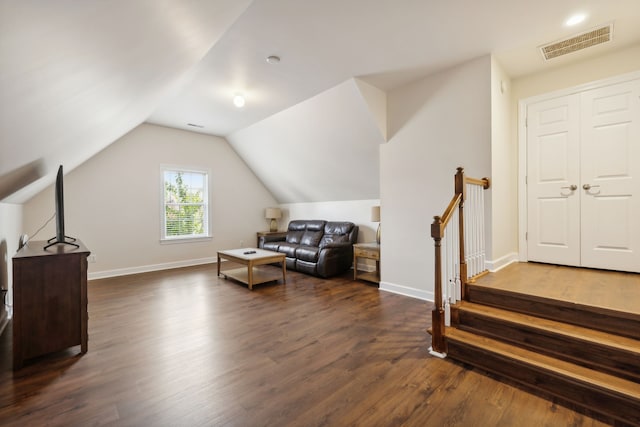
(59,206)
(60,235)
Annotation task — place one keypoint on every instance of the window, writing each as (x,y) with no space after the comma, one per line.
(185,204)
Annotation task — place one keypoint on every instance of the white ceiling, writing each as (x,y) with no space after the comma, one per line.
(383,42)
(77,75)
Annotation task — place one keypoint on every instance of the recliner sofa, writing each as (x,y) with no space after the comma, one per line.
(317,247)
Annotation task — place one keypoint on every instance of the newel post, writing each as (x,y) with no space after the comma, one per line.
(461,188)
(437,315)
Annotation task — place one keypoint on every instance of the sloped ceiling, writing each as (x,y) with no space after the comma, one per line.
(386,43)
(324,149)
(77,75)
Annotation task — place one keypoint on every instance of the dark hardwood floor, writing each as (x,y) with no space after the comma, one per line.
(186,348)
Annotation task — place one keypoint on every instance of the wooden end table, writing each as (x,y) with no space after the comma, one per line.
(260,235)
(366,251)
(251,258)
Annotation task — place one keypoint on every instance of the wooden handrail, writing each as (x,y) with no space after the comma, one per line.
(438,343)
(484,182)
(446,217)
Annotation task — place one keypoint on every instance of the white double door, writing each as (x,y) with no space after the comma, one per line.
(583,167)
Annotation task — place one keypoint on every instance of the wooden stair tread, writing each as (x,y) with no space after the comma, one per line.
(591,307)
(597,379)
(572,331)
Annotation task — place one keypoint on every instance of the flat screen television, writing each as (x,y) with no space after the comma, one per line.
(60,237)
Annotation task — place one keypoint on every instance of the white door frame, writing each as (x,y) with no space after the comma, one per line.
(523,104)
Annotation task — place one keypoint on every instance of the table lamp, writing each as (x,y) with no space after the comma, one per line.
(375,217)
(273,214)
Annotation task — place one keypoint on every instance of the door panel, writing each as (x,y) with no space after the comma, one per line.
(553,167)
(553,213)
(610,165)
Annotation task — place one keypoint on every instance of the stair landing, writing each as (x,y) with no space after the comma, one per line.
(609,290)
(570,333)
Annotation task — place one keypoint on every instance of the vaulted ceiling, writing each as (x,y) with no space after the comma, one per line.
(76,76)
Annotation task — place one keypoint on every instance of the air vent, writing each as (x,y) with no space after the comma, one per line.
(581,41)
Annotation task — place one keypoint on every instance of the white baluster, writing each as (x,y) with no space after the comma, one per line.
(474,239)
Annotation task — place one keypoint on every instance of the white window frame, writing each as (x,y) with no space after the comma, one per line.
(207,197)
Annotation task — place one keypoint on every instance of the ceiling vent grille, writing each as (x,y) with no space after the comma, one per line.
(581,41)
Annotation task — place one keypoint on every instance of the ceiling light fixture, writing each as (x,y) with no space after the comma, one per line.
(238,100)
(575,19)
(273,59)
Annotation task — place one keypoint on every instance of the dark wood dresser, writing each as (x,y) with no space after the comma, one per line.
(49,300)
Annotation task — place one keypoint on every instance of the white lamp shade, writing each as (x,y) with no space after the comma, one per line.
(271,213)
(375,214)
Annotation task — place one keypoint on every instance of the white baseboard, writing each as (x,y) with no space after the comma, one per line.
(148,268)
(492,266)
(384,286)
(501,262)
(406,291)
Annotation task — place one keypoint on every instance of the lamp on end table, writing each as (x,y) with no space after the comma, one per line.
(273,214)
(375,217)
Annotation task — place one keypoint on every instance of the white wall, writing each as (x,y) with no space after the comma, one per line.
(613,64)
(504,173)
(112,201)
(376,100)
(10,230)
(435,124)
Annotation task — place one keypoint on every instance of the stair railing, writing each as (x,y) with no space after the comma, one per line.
(459,252)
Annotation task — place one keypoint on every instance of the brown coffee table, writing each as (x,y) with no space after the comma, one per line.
(248,274)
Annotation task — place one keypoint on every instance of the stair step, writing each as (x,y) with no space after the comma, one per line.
(603,319)
(607,394)
(613,354)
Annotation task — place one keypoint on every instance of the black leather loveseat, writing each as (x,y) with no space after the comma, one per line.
(317,247)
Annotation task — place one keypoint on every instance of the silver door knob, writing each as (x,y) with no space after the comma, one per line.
(586,187)
(571,187)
